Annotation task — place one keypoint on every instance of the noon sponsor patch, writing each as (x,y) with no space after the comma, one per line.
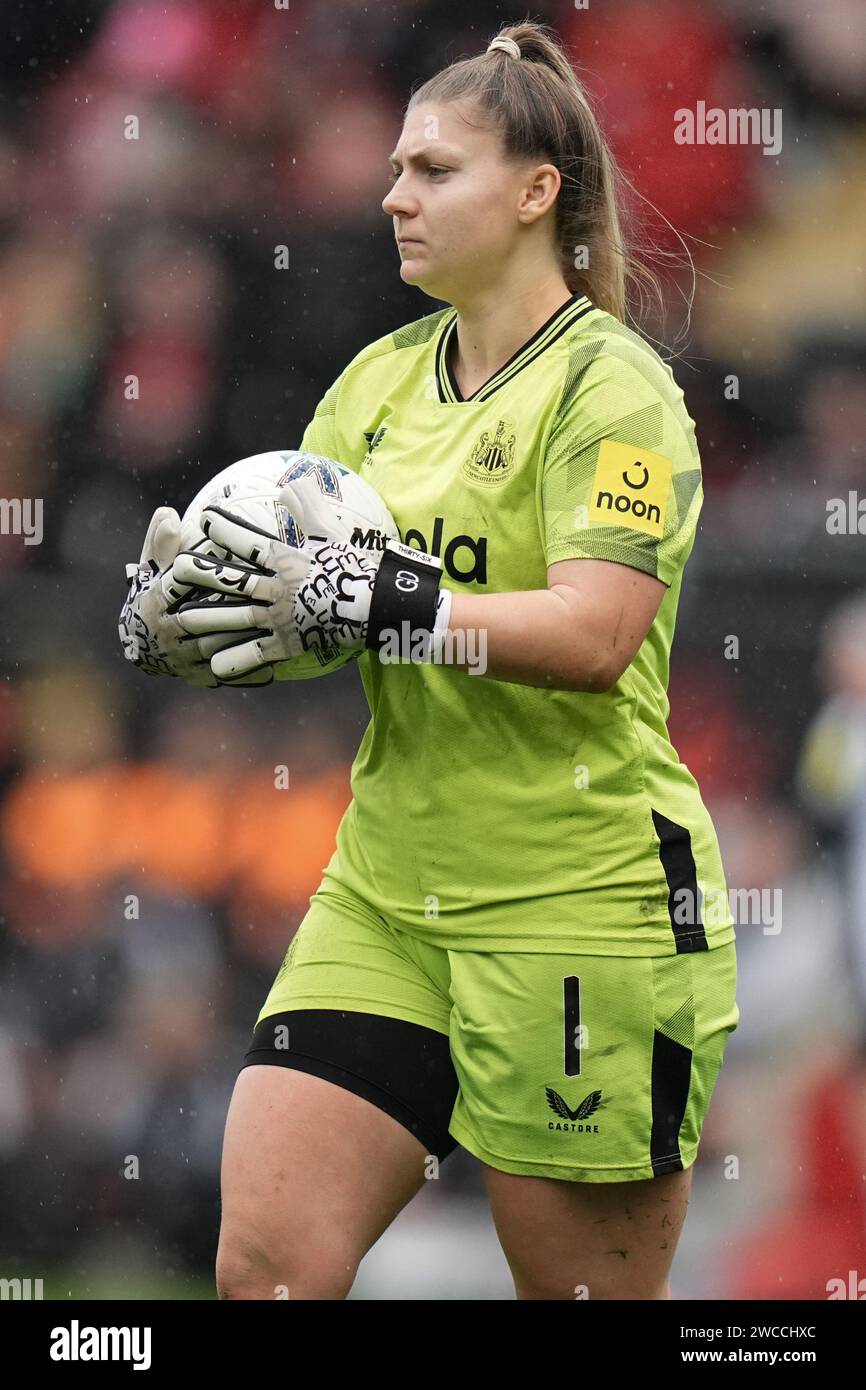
(630,488)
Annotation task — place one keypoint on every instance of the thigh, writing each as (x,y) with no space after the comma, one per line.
(566,1240)
(586,1079)
(358,1003)
(343,1100)
(312,1174)
(592,1069)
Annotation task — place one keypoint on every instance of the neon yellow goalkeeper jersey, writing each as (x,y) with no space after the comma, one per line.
(487,815)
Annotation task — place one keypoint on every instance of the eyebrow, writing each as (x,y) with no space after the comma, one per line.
(422,150)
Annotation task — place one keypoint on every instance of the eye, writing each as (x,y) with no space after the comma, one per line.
(433,170)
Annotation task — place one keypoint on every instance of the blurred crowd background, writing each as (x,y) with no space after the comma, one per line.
(152,873)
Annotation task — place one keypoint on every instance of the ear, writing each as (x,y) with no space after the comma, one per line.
(539,193)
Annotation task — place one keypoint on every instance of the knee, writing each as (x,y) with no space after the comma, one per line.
(249,1269)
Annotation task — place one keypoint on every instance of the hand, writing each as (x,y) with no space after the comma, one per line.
(150,633)
(299,599)
(319,595)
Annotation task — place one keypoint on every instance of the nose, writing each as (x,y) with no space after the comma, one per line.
(397,200)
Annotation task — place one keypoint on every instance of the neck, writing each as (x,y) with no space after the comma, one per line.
(493,325)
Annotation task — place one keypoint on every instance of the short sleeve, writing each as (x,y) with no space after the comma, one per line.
(320,436)
(621,476)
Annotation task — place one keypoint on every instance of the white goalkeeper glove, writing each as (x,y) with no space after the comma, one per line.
(327,594)
(151,635)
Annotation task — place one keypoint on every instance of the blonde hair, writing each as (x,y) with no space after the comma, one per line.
(540,107)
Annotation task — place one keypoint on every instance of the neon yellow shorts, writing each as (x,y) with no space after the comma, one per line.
(582,1067)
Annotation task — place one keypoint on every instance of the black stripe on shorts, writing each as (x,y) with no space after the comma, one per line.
(669,1091)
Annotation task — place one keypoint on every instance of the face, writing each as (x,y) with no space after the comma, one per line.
(458,205)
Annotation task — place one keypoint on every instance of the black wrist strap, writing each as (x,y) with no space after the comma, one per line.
(406,590)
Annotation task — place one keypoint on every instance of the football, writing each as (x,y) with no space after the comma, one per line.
(250,488)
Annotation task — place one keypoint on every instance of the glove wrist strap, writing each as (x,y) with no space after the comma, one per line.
(406,591)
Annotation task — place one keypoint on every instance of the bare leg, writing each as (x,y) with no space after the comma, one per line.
(312,1175)
(614,1240)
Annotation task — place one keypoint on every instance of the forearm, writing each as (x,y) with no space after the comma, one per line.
(541,637)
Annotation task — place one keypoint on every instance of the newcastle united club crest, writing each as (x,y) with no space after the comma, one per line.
(492,459)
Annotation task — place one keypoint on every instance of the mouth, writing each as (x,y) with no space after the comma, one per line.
(409,241)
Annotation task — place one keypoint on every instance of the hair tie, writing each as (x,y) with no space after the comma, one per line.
(506,44)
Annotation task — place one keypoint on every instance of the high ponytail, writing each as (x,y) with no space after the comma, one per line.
(541,109)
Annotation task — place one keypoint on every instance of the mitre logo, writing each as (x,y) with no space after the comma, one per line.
(492,459)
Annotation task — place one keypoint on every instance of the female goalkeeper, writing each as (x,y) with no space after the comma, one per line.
(522,942)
